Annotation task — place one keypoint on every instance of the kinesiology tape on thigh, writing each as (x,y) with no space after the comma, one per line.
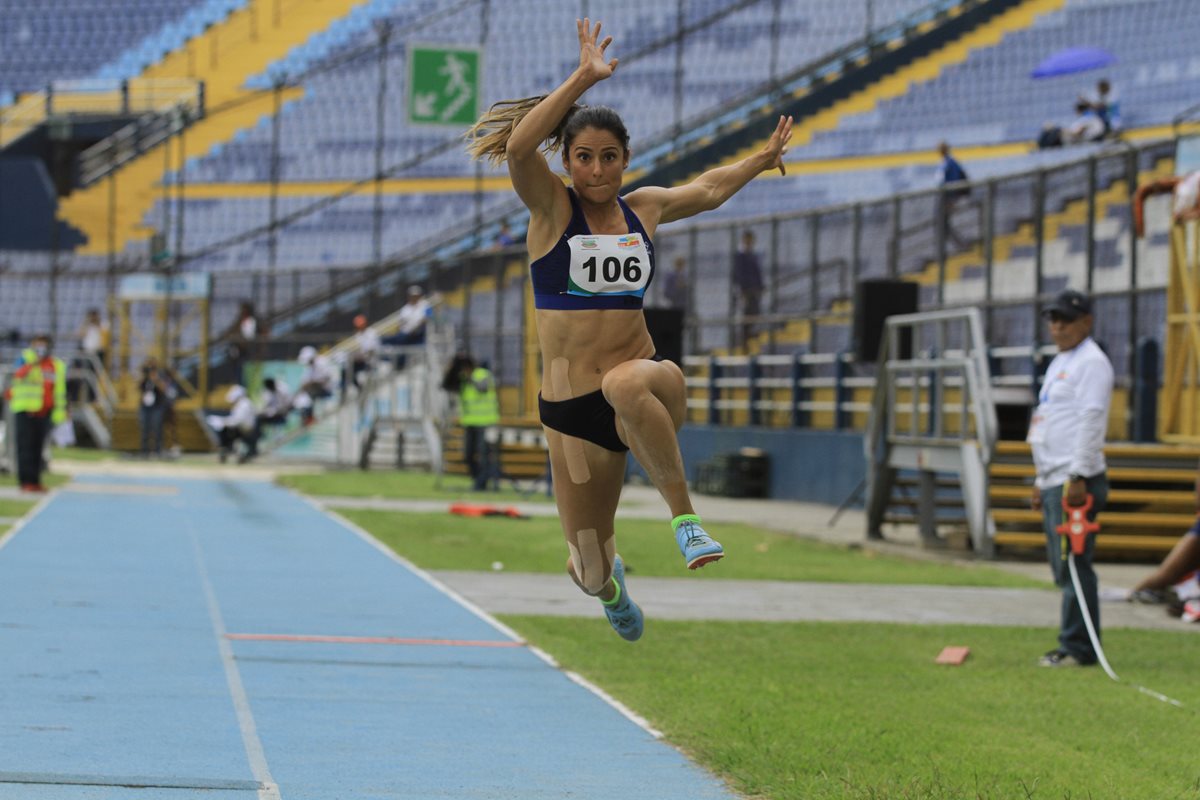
(573,452)
(592,559)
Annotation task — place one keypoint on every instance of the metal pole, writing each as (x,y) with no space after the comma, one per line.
(484,14)
(1091,222)
(814,254)
(1039,228)
(773,306)
(273,199)
(112,221)
(776,26)
(678,127)
(1131,172)
(165,229)
(689,315)
(53,327)
(384,30)
(989,256)
(180,186)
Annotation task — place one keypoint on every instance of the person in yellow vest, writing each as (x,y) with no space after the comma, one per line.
(38,398)
(478,410)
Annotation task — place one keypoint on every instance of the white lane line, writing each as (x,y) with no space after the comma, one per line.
(620,707)
(7,536)
(241,703)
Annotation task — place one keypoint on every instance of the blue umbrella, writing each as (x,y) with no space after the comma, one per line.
(1073,59)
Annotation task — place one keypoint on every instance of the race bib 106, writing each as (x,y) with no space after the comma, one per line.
(608,264)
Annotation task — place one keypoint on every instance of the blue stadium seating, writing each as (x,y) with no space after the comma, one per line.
(990,98)
(70,39)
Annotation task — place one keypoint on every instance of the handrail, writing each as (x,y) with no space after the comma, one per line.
(972,365)
(96,96)
(111,153)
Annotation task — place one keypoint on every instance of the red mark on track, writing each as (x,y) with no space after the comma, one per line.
(393,640)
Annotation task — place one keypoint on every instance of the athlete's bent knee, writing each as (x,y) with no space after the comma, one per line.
(623,389)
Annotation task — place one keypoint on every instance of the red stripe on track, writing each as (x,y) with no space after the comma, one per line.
(286,637)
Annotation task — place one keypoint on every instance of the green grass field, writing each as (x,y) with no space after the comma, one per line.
(398,485)
(15,508)
(784,711)
(82,454)
(444,541)
(853,710)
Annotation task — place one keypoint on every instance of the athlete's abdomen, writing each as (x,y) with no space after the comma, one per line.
(592,343)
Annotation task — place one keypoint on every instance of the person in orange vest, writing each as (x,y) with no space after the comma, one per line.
(38,398)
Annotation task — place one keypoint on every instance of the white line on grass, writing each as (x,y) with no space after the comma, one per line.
(620,707)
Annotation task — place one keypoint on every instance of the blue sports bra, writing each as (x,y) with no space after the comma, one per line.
(587,270)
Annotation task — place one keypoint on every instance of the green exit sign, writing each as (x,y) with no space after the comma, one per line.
(443,84)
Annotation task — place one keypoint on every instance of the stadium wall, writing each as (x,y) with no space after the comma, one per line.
(807,465)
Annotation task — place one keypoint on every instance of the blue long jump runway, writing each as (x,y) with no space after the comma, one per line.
(207,639)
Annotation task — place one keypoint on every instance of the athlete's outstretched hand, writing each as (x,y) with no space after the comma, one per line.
(776,146)
(591,52)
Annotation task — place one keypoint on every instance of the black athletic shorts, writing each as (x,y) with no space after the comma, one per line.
(588,417)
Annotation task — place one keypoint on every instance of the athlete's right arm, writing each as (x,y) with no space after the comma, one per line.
(536,185)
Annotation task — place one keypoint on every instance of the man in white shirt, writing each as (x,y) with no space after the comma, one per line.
(1087,127)
(1067,437)
(412,319)
(316,382)
(274,403)
(241,423)
(366,349)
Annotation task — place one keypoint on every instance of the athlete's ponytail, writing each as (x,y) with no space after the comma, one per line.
(489,136)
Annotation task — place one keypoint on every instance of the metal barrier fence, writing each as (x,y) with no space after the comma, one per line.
(1023,237)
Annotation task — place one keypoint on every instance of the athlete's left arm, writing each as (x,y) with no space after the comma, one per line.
(714,187)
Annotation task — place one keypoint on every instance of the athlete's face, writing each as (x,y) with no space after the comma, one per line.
(596,163)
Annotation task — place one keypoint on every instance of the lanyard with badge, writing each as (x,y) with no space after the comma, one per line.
(1037,427)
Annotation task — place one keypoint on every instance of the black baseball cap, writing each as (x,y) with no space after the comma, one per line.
(1070,305)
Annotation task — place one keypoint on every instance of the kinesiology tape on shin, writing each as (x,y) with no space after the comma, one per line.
(682,518)
(592,559)
(573,451)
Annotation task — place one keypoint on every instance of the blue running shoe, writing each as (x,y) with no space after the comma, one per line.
(698,547)
(623,614)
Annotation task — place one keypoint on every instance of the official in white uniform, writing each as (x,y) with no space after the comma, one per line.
(1067,437)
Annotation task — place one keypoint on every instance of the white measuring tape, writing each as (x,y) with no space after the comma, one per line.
(1087,621)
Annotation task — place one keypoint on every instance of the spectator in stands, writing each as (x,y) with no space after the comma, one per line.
(365,353)
(478,414)
(241,337)
(1086,127)
(1067,436)
(504,237)
(152,408)
(954,190)
(316,382)
(674,292)
(95,336)
(603,390)
(1106,104)
(274,403)
(38,399)
(748,283)
(240,425)
(1186,205)
(413,318)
